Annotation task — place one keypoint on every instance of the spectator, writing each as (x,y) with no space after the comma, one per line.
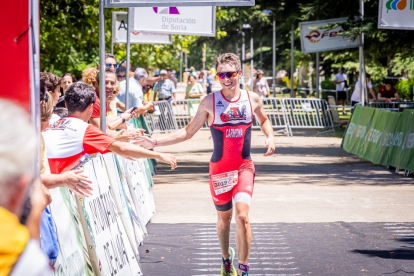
(66,146)
(110,61)
(192,72)
(136,95)
(20,253)
(121,74)
(387,93)
(67,80)
(89,76)
(355,98)
(201,78)
(286,79)
(95,118)
(341,85)
(260,85)
(62,112)
(209,82)
(171,76)
(164,88)
(193,89)
(52,84)
(115,102)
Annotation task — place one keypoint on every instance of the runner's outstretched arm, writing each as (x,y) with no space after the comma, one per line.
(265,123)
(131,150)
(185,133)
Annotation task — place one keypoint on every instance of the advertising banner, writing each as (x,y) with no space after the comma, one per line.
(389,137)
(200,21)
(167,3)
(396,14)
(374,136)
(357,129)
(315,39)
(72,258)
(113,247)
(119,32)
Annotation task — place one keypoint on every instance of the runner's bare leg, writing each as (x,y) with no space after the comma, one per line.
(243,233)
(223,231)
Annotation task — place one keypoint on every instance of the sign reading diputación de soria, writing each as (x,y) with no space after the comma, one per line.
(119,32)
(316,39)
(396,14)
(175,3)
(199,21)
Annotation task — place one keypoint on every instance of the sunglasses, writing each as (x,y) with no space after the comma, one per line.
(121,76)
(229,75)
(110,64)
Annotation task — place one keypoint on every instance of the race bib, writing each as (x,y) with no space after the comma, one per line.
(224,182)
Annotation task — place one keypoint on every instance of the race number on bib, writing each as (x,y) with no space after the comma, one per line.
(224,182)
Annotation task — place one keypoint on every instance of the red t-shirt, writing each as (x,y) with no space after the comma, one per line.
(387,93)
(96,113)
(69,139)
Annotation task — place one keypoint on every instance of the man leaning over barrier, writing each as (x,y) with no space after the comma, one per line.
(71,138)
(229,113)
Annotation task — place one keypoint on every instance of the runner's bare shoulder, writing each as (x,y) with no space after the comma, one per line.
(207,103)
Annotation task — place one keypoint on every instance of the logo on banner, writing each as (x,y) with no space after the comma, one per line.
(167,10)
(315,36)
(399,5)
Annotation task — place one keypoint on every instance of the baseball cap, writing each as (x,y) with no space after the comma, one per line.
(163,72)
(260,72)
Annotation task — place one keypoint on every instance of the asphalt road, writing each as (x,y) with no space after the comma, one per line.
(316,210)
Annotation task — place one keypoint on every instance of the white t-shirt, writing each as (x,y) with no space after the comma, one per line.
(355,94)
(340,77)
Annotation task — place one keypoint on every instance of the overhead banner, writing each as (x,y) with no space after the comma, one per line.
(396,14)
(119,32)
(315,39)
(200,21)
(177,3)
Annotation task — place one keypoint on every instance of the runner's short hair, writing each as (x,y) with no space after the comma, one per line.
(79,96)
(228,58)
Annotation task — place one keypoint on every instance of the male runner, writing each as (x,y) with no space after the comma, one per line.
(229,113)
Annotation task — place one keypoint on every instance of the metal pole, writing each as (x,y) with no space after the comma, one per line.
(361,60)
(102,94)
(274,60)
(251,59)
(317,76)
(243,60)
(186,60)
(128,61)
(292,45)
(181,66)
(112,48)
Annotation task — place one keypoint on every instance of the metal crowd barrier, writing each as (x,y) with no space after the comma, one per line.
(284,115)
(392,106)
(308,114)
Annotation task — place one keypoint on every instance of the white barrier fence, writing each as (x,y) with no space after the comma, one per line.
(284,115)
(100,234)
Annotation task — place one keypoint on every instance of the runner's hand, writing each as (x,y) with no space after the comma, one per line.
(78,183)
(145,141)
(168,159)
(270,143)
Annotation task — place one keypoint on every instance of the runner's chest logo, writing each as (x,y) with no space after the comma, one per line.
(234,114)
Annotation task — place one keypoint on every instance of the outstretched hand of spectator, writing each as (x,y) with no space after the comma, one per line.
(78,182)
(168,159)
(124,136)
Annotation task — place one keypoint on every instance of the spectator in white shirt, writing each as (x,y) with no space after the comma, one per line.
(356,94)
(341,85)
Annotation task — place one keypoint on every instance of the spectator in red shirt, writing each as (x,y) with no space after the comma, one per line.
(71,138)
(387,93)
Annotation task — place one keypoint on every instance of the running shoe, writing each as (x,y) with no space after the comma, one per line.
(244,269)
(227,268)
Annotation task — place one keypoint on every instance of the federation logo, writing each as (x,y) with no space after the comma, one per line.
(234,114)
(313,36)
(399,5)
(167,10)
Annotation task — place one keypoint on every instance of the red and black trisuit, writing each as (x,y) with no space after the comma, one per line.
(231,167)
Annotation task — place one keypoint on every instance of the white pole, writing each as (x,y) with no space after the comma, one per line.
(317,75)
(251,60)
(102,94)
(274,59)
(181,66)
(128,61)
(361,61)
(292,65)
(243,60)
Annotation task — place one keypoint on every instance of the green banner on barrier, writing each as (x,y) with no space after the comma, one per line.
(382,137)
(357,129)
